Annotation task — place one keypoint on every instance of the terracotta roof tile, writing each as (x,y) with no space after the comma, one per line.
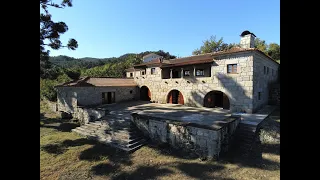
(198,59)
(100,82)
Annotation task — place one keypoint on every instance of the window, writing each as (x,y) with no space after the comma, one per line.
(186,73)
(264,70)
(232,68)
(272,72)
(142,72)
(267,70)
(153,70)
(200,72)
(131,74)
(259,95)
(130,91)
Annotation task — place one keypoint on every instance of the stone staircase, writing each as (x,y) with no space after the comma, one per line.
(244,137)
(115,131)
(248,128)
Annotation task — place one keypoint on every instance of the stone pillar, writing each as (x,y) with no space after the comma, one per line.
(194,71)
(170,73)
(134,73)
(181,72)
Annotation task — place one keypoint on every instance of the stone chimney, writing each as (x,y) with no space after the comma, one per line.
(247,39)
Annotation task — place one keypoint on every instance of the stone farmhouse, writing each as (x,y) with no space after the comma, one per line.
(237,79)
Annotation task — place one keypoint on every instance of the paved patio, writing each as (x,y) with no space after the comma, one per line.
(203,116)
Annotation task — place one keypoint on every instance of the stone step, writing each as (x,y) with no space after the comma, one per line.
(244,136)
(244,141)
(85,129)
(100,138)
(133,140)
(247,125)
(94,125)
(84,133)
(244,132)
(245,147)
(100,123)
(90,128)
(132,145)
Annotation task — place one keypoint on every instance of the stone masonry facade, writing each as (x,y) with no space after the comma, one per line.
(241,88)
(204,141)
(71,97)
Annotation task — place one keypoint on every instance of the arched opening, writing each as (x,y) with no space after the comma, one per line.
(145,94)
(175,97)
(216,99)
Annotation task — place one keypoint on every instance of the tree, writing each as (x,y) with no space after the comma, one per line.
(274,51)
(213,45)
(261,45)
(50,32)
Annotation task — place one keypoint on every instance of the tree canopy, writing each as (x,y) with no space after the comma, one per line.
(213,45)
(50,32)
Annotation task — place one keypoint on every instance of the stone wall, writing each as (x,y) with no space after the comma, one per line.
(262,80)
(70,97)
(274,98)
(66,99)
(85,115)
(205,141)
(238,87)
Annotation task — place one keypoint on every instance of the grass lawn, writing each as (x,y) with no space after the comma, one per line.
(66,155)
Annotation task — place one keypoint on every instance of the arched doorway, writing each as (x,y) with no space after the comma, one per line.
(175,97)
(145,94)
(215,99)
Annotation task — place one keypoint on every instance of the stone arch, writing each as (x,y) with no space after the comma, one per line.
(216,98)
(145,93)
(175,97)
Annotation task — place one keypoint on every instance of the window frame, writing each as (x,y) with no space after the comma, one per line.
(199,70)
(154,71)
(234,68)
(184,73)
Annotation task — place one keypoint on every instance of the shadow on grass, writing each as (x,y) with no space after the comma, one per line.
(54,149)
(166,149)
(200,171)
(59,148)
(101,152)
(63,125)
(104,169)
(144,172)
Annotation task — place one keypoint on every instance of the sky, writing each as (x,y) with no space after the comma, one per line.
(111,28)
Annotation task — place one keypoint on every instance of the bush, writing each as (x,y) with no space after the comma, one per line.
(47,90)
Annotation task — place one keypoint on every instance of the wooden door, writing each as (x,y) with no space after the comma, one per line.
(170,97)
(149,94)
(180,98)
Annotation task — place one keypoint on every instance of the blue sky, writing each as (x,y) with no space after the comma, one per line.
(111,28)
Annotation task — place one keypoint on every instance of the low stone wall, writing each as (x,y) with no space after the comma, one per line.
(52,106)
(84,115)
(205,141)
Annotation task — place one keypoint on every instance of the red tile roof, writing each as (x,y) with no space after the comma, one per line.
(198,59)
(99,82)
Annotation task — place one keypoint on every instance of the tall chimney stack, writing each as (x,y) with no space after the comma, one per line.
(247,39)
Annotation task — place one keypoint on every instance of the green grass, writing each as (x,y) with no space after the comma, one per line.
(66,155)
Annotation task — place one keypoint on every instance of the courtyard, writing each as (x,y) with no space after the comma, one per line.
(66,155)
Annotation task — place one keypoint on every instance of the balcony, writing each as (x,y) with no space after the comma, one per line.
(188,72)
